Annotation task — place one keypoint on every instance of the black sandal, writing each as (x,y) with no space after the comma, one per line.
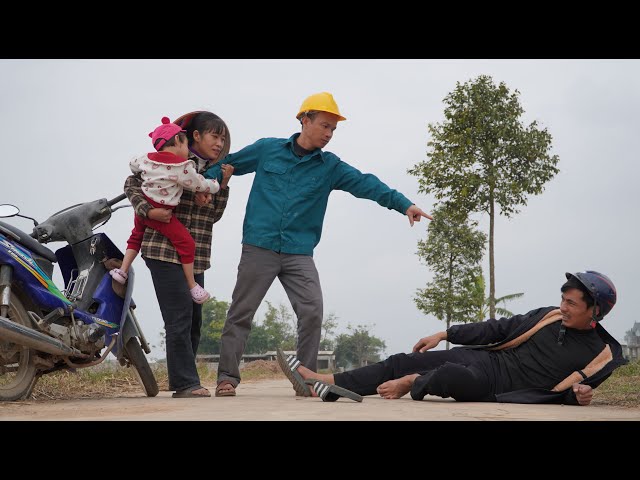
(189,392)
(331,393)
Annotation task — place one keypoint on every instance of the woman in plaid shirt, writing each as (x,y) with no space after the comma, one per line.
(209,141)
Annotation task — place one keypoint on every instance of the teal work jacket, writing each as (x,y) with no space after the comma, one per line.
(289,196)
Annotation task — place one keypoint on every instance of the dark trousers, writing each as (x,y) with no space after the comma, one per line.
(463,374)
(182,321)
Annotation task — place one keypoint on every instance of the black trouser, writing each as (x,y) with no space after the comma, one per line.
(182,321)
(461,373)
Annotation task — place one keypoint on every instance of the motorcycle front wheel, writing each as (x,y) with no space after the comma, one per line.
(17,370)
(141,367)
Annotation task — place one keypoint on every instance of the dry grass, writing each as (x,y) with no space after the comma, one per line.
(106,380)
(112,380)
(261,370)
(251,371)
(622,389)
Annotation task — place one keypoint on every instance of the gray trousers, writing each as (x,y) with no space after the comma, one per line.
(257,270)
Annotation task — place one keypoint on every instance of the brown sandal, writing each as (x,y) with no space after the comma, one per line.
(226,392)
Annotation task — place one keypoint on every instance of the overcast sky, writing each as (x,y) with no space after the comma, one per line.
(69,127)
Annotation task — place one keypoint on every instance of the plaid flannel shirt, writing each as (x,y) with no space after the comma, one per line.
(198,220)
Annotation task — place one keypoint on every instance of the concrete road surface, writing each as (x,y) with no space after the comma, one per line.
(275,400)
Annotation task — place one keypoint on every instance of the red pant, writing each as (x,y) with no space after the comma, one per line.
(175,231)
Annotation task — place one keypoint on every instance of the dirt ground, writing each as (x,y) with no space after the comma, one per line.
(267,400)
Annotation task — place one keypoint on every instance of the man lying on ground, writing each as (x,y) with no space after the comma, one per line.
(548,355)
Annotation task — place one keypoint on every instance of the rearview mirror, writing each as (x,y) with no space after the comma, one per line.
(8,210)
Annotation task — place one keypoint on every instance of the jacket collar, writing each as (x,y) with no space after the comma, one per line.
(294,137)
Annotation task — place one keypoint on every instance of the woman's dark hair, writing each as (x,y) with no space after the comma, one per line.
(573,282)
(205,122)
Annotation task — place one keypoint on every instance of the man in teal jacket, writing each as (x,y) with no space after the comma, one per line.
(283,224)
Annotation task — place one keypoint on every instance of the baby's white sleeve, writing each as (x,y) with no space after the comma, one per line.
(192,180)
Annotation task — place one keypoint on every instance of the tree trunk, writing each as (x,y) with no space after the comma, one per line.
(448,325)
(492,276)
(449,293)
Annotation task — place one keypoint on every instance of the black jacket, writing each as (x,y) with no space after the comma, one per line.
(495,334)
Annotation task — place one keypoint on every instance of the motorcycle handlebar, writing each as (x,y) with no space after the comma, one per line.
(76,223)
(42,233)
(119,198)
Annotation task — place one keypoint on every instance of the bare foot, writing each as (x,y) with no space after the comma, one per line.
(306,373)
(398,388)
(201,392)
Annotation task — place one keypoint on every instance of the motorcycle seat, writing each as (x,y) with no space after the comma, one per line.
(30,243)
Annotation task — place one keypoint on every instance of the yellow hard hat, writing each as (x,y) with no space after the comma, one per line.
(320,102)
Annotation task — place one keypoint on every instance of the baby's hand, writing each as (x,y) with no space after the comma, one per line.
(227,171)
(202,198)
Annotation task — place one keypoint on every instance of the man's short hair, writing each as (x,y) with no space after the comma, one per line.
(310,113)
(573,282)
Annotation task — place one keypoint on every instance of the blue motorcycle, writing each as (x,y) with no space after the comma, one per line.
(44,329)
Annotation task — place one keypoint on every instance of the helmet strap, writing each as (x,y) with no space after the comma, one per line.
(594,320)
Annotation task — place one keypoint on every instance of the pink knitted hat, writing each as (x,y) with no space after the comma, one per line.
(164,133)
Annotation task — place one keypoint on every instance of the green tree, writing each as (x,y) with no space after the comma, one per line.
(275,330)
(453,251)
(482,156)
(483,310)
(214,314)
(329,325)
(280,325)
(258,340)
(358,348)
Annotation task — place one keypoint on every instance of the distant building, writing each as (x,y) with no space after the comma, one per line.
(326,358)
(631,350)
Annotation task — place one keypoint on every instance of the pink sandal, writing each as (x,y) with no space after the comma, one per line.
(199,294)
(119,276)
